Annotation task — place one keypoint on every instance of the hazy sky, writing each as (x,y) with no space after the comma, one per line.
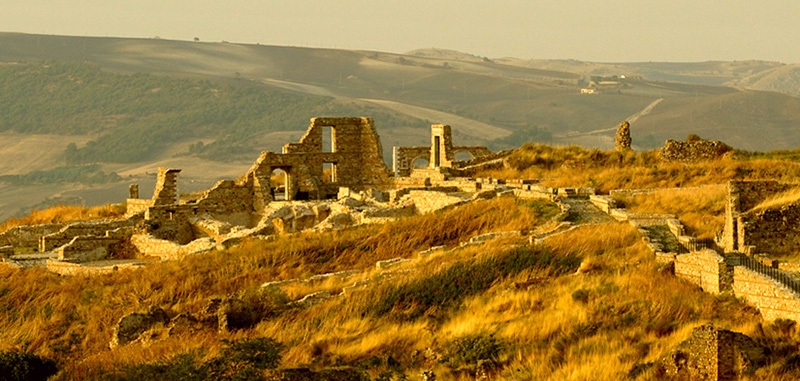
(591,30)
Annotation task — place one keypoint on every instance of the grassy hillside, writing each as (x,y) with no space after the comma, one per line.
(530,99)
(138,116)
(588,304)
(591,303)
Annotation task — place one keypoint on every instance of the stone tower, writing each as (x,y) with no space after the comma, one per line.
(623,138)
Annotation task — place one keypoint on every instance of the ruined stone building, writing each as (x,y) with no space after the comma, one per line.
(336,158)
(755,226)
(440,155)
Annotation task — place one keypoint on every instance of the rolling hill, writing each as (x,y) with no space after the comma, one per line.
(135,104)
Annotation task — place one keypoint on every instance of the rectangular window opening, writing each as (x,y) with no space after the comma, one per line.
(328,139)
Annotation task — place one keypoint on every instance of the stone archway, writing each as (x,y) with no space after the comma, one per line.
(420,162)
(463,155)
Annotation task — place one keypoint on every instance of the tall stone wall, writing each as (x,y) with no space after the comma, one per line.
(441,146)
(166,191)
(355,159)
(770,297)
(403,159)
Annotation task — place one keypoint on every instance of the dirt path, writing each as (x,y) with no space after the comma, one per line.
(630,119)
(581,211)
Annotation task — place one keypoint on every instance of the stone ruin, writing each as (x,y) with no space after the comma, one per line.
(440,156)
(337,158)
(622,140)
(773,230)
(693,150)
(712,354)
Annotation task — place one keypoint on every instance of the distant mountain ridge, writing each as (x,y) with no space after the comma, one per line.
(499,102)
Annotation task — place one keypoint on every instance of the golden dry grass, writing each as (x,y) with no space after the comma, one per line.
(65,213)
(784,198)
(572,166)
(700,209)
(590,303)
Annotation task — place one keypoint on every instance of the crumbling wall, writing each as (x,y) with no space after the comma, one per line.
(229,202)
(167,250)
(440,154)
(355,160)
(28,235)
(713,354)
(86,249)
(67,233)
(695,150)
(166,191)
(403,159)
(171,222)
(766,230)
(706,269)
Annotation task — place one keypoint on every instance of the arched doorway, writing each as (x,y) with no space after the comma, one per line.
(420,162)
(278,180)
(463,156)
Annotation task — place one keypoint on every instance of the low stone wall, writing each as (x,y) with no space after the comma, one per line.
(28,235)
(604,203)
(431,201)
(86,249)
(770,297)
(691,151)
(137,205)
(395,195)
(641,219)
(168,250)
(67,233)
(706,269)
(70,269)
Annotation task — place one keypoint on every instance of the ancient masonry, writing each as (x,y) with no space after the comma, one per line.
(738,262)
(693,150)
(713,354)
(622,140)
(440,155)
(336,158)
(750,230)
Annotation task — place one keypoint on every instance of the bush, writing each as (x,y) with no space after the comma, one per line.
(581,296)
(245,359)
(24,366)
(471,350)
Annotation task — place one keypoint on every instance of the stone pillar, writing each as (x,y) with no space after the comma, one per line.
(441,146)
(134,191)
(622,141)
